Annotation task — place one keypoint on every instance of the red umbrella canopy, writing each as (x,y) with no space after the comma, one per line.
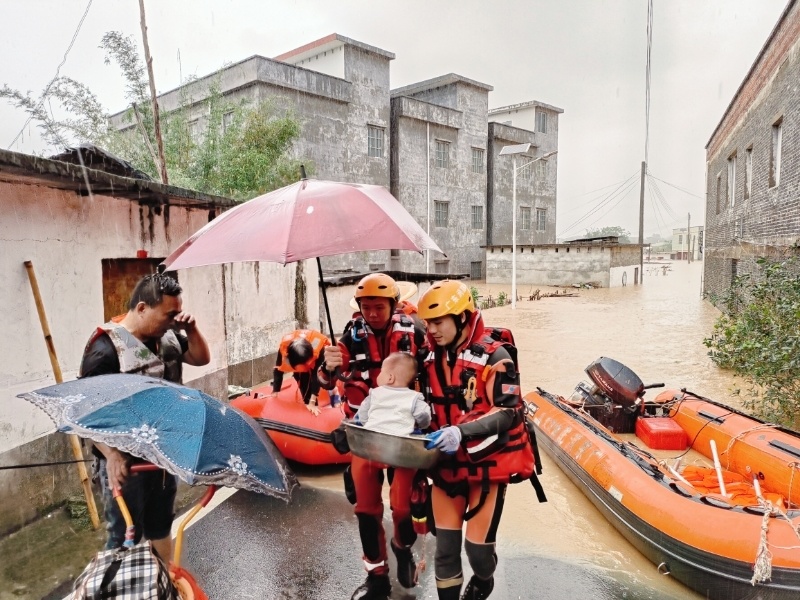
(308,219)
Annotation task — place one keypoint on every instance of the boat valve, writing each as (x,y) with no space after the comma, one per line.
(663,568)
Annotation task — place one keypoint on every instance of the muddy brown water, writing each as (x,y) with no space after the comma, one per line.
(657,330)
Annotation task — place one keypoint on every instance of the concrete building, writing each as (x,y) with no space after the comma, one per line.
(753,163)
(339,90)
(528,122)
(84,232)
(683,245)
(600,263)
(438,169)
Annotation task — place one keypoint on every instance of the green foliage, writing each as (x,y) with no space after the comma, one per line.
(502,297)
(623,234)
(757,337)
(78,512)
(240,153)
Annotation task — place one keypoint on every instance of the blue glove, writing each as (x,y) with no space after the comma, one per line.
(446,439)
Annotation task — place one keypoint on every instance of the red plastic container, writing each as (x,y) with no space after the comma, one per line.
(661,433)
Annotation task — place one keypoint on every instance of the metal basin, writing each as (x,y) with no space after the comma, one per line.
(394,450)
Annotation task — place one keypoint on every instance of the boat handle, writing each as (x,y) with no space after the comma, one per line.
(663,568)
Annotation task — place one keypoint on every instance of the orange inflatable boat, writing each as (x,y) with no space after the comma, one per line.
(710,495)
(299,435)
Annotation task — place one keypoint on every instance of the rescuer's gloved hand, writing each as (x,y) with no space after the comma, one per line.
(446,439)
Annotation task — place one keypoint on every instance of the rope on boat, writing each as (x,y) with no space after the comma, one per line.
(762,569)
(792,466)
(741,435)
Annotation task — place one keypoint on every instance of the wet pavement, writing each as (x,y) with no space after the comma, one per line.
(256,547)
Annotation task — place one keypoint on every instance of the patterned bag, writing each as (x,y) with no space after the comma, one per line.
(136,573)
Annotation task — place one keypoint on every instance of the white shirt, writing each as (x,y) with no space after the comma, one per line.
(394,410)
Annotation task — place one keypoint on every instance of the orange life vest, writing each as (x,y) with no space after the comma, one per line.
(318,342)
(366,355)
(463,398)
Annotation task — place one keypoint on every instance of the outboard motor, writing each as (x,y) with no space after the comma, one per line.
(614,397)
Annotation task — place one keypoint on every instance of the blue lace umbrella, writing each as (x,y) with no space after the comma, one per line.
(182,430)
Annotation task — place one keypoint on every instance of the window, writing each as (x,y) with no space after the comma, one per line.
(394,253)
(476,270)
(375,141)
(541,121)
(525,167)
(748,172)
(477,160)
(194,130)
(541,219)
(541,170)
(719,191)
(442,210)
(442,154)
(477,217)
(227,121)
(524,217)
(377,266)
(680,240)
(442,267)
(775,156)
(732,180)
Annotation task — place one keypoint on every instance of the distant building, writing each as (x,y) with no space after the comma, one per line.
(753,163)
(528,122)
(434,144)
(683,245)
(438,169)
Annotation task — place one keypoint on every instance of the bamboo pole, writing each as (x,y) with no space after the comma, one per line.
(75,443)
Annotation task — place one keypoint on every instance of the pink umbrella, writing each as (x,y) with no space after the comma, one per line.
(308,219)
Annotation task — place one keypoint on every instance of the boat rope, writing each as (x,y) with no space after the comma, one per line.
(740,436)
(792,466)
(762,569)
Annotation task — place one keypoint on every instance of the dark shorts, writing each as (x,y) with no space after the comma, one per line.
(150,497)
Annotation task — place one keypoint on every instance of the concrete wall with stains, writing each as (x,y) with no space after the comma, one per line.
(242,310)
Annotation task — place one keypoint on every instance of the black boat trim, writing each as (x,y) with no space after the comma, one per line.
(785,447)
(303,432)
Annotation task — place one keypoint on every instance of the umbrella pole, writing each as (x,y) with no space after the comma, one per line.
(77,451)
(325,300)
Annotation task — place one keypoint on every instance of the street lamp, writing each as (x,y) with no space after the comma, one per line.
(513,150)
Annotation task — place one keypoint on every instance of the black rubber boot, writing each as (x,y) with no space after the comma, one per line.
(376,587)
(406,567)
(478,589)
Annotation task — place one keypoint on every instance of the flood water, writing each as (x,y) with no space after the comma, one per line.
(657,330)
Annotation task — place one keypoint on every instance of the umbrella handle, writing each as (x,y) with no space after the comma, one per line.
(142,467)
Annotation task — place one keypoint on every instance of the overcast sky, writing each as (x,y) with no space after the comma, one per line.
(585,56)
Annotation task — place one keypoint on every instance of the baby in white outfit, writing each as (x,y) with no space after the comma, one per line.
(393,407)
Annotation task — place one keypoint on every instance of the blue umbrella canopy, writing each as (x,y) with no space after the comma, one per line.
(182,430)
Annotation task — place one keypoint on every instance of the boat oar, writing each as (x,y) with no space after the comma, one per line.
(718,468)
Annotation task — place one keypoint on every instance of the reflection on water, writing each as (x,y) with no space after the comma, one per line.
(657,330)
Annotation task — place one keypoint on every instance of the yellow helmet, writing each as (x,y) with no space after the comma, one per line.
(377,285)
(445,298)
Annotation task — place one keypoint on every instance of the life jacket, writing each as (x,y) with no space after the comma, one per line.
(366,355)
(504,458)
(318,342)
(135,357)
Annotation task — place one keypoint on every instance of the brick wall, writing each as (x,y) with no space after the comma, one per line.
(767,223)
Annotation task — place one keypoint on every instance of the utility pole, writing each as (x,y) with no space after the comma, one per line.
(161,164)
(688,238)
(641,225)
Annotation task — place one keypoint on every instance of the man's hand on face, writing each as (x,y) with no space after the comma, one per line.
(186,322)
(116,468)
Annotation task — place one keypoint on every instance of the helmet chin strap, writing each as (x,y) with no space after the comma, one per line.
(460,326)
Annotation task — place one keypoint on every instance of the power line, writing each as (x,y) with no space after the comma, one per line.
(678,188)
(55,77)
(647,80)
(621,190)
(605,187)
(660,197)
